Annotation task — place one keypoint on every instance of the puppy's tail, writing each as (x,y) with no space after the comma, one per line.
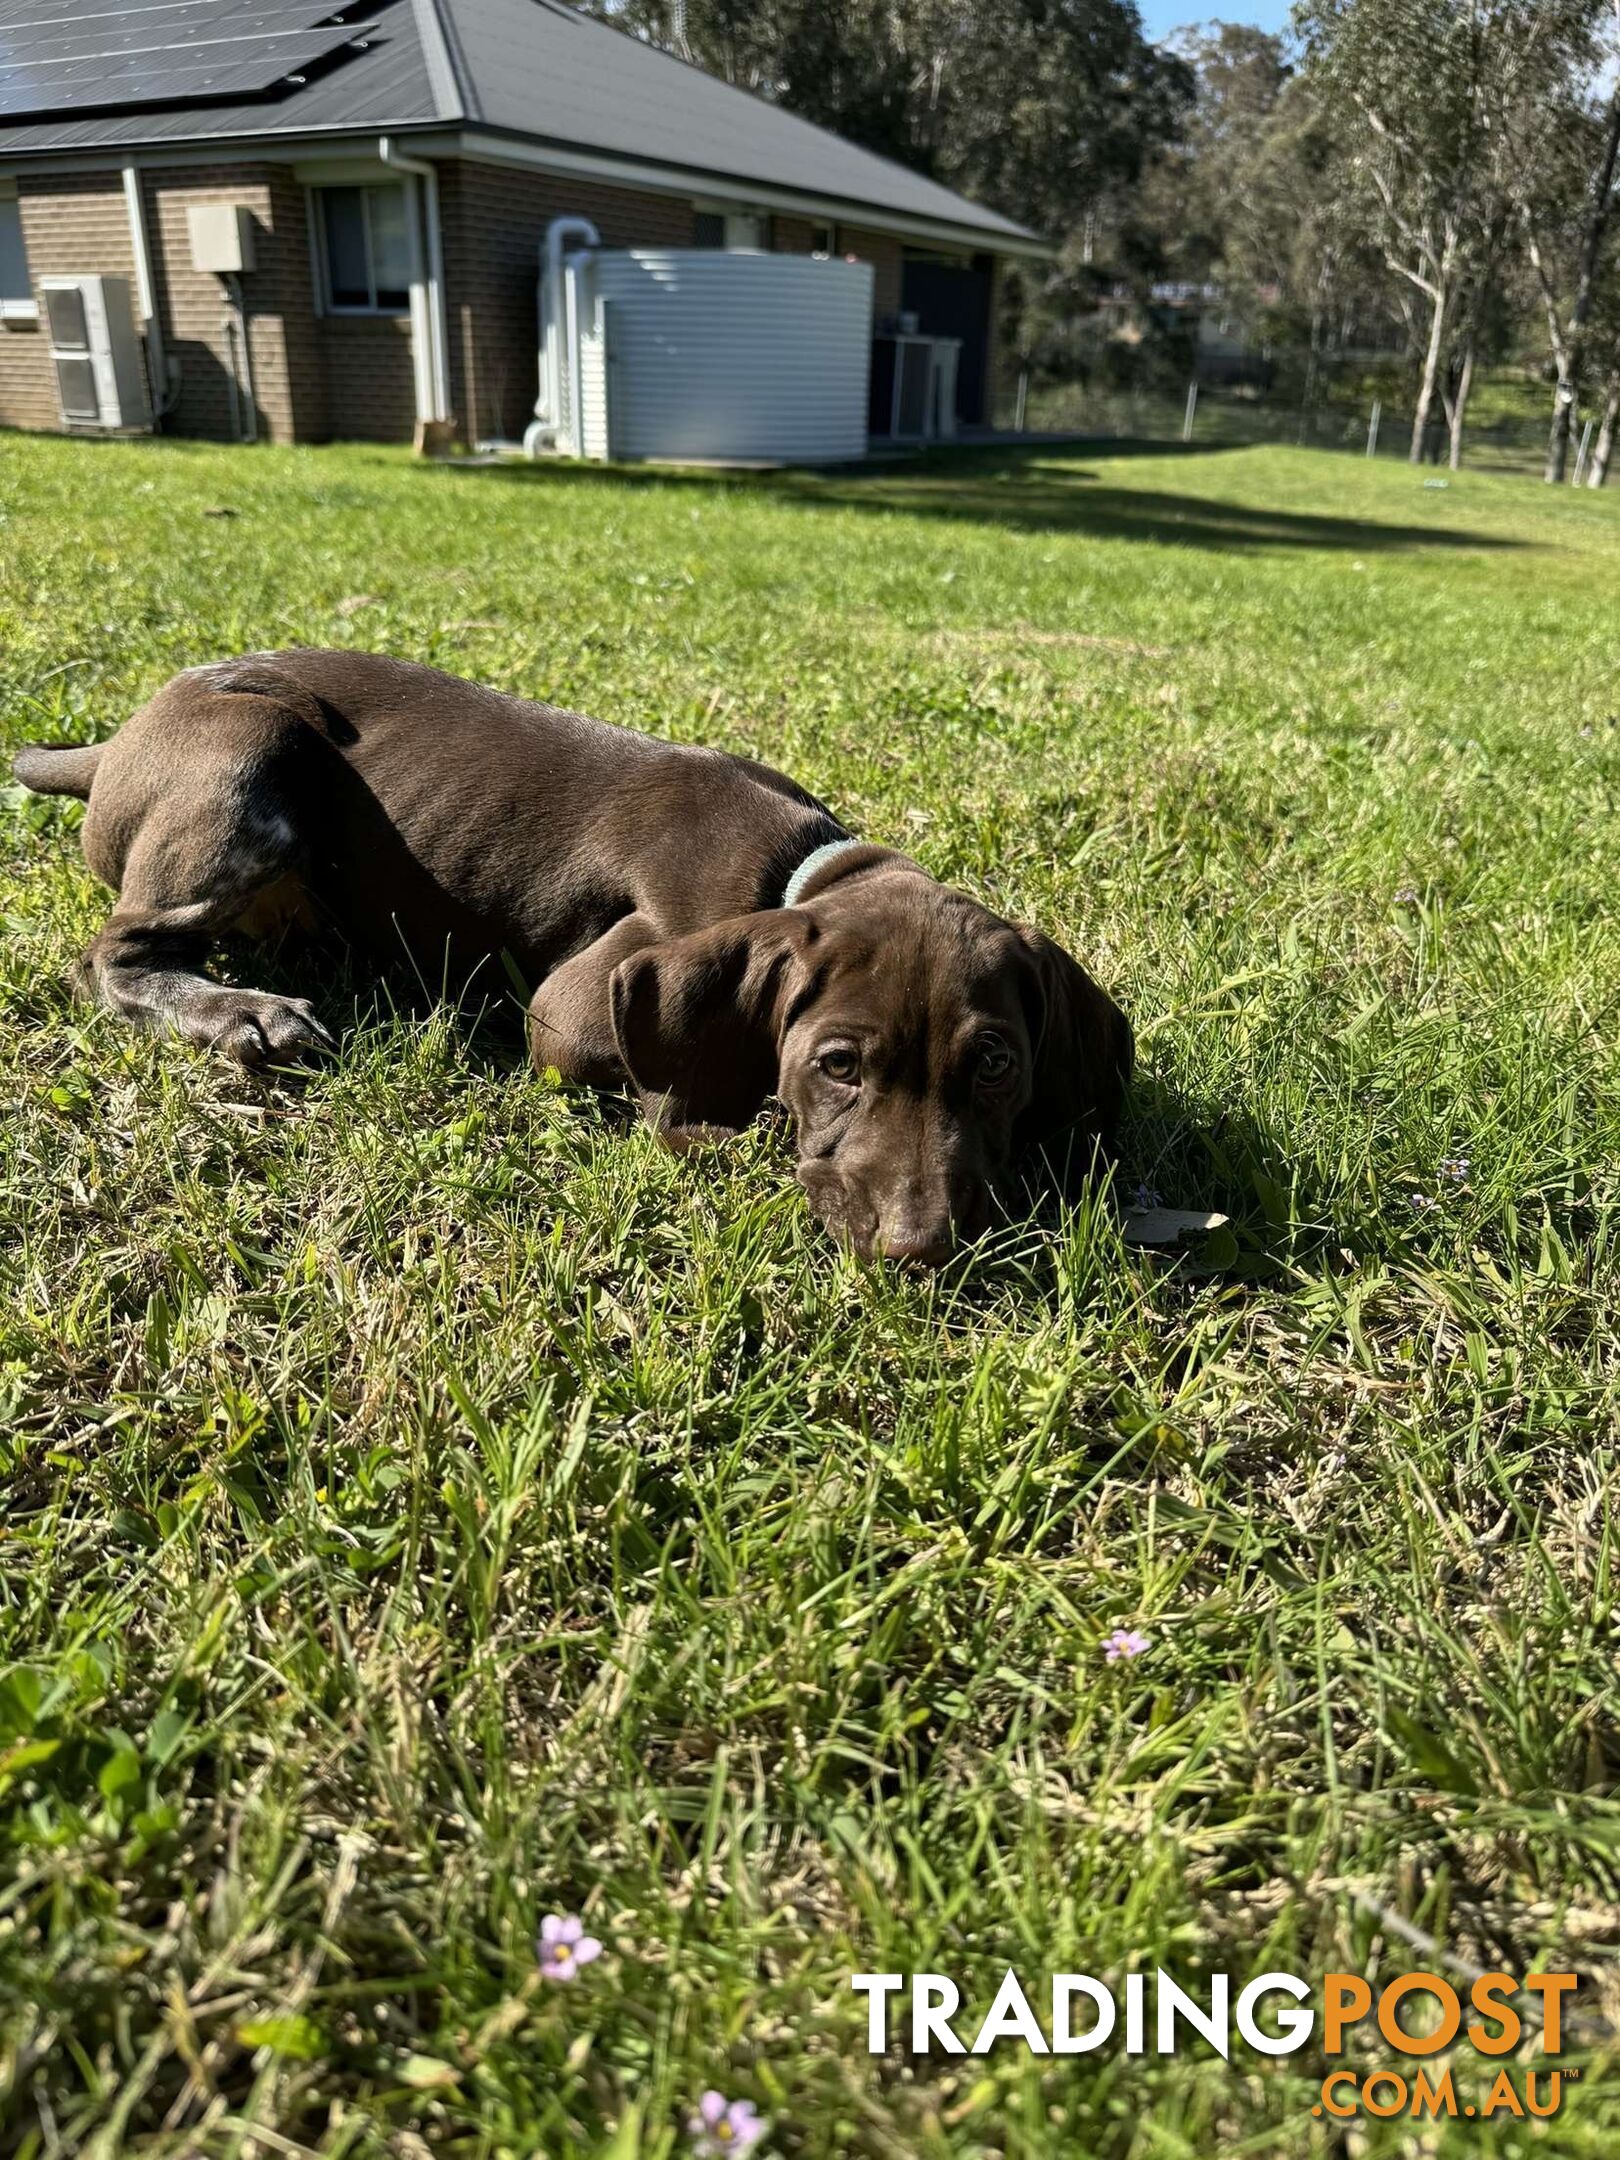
(58,768)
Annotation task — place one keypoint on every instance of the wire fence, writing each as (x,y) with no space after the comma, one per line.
(1219,415)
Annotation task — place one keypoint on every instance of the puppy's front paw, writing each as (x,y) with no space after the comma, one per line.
(255,1029)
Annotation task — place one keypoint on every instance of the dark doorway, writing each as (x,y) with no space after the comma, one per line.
(951,298)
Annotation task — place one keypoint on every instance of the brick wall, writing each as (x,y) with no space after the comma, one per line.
(314,377)
(885,253)
(194,307)
(494,219)
(77,225)
(74,225)
(369,377)
(345,375)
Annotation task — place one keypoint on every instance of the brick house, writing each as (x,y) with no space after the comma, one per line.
(391,167)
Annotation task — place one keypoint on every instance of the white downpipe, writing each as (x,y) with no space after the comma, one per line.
(430,336)
(157,366)
(421,308)
(559,339)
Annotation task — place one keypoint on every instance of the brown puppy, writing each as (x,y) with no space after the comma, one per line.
(699,926)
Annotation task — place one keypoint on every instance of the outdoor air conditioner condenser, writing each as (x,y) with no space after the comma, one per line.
(100,376)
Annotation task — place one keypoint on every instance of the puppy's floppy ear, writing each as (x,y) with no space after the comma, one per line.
(698,1019)
(1084,1051)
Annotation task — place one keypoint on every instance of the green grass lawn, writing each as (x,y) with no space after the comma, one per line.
(428,1506)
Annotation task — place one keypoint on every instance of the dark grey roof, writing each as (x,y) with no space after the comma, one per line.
(540,72)
(540,68)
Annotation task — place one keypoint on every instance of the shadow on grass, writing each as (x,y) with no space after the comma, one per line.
(354,994)
(1171,1154)
(1029,490)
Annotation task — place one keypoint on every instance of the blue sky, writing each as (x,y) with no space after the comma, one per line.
(1160,17)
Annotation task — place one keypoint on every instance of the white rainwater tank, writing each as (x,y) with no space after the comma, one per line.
(692,353)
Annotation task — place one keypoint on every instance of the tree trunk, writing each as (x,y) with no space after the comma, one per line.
(1431,373)
(1574,341)
(1562,426)
(1312,369)
(1459,404)
(1605,440)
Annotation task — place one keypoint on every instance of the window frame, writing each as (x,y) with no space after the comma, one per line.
(22,312)
(373,308)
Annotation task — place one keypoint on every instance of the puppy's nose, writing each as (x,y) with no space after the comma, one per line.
(916,1244)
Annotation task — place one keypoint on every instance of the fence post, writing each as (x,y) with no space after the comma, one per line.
(1580,455)
(1023,399)
(1372,428)
(1192,408)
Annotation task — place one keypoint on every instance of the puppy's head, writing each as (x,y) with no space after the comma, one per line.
(921,1043)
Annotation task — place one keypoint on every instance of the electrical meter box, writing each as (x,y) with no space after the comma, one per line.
(221,237)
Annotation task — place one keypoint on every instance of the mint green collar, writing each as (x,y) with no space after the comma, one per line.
(817,859)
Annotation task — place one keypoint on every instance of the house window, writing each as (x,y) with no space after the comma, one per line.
(822,238)
(366,249)
(16,292)
(738,230)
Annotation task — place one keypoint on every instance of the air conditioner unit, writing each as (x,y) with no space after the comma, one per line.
(100,377)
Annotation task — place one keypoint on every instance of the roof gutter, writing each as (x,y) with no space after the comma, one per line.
(430,334)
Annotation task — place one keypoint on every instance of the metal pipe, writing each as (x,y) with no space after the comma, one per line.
(434,390)
(549,413)
(248,427)
(233,389)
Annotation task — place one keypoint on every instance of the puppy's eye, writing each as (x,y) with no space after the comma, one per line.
(841,1063)
(993,1060)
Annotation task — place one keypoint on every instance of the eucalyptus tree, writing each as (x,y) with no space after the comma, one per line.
(1427,93)
(1565,128)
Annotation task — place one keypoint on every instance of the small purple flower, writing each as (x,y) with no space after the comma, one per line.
(1454,1167)
(1125,1642)
(1147,1196)
(565,1946)
(723,2126)
(1408,896)
(1421,1202)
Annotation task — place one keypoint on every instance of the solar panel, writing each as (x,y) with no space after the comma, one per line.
(171,54)
(50,30)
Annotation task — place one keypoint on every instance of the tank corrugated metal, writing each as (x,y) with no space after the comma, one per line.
(698,353)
